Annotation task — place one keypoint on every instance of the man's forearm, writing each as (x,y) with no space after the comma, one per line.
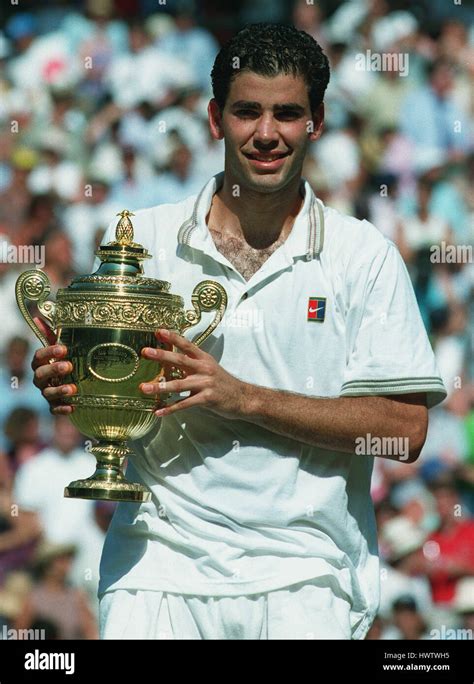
(339,423)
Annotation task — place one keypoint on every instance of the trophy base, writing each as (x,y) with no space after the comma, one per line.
(108,483)
(101,490)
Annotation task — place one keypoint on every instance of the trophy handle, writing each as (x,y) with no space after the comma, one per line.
(207,296)
(34,286)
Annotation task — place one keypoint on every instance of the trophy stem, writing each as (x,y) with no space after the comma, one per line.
(108,483)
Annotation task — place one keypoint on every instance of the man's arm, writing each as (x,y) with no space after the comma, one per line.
(340,423)
(343,423)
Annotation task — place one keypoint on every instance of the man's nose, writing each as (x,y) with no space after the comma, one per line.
(266,131)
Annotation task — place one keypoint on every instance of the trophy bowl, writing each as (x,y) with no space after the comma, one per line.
(105,319)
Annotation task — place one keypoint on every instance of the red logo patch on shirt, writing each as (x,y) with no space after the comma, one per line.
(316,309)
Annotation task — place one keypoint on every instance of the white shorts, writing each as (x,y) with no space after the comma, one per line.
(301,611)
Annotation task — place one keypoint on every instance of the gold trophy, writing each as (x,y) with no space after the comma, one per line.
(105,319)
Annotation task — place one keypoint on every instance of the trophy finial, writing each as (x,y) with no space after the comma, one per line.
(123,248)
(124,228)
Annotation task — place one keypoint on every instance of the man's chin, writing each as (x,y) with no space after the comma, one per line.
(267,181)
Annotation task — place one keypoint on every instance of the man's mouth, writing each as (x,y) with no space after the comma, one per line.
(266,157)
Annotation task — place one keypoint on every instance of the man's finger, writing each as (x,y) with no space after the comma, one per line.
(61,409)
(195,400)
(57,393)
(171,358)
(191,384)
(44,374)
(42,356)
(181,342)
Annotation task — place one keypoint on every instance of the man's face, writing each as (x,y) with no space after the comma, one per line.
(267,126)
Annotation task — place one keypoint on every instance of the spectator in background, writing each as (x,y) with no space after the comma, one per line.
(193,45)
(15,385)
(21,429)
(55,173)
(380,108)
(21,29)
(180,180)
(20,532)
(454,46)
(146,72)
(309,17)
(431,119)
(138,186)
(382,206)
(446,445)
(83,219)
(449,551)
(52,598)
(409,622)
(89,543)
(413,501)
(40,60)
(62,118)
(97,38)
(402,567)
(12,596)
(451,344)
(15,197)
(39,485)
(424,229)
(40,218)
(14,322)
(446,200)
(464,605)
(58,267)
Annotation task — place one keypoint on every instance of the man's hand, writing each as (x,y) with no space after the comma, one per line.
(49,370)
(209,384)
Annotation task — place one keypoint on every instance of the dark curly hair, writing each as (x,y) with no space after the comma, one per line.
(268,50)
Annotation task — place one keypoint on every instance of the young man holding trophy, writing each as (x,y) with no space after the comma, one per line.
(260,523)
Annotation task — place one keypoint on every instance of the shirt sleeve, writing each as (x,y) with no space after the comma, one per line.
(388,351)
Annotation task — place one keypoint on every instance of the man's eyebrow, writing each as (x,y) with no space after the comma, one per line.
(293,106)
(246,103)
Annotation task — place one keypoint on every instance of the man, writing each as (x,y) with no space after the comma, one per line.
(261,523)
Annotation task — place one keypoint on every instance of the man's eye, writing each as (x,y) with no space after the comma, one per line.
(287,116)
(246,113)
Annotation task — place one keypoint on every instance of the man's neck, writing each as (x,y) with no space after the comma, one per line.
(260,219)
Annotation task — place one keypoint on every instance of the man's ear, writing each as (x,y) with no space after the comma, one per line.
(215,119)
(315,126)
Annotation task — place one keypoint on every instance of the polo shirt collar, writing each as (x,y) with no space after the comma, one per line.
(305,239)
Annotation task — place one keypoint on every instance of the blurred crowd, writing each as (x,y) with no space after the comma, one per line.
(102,107)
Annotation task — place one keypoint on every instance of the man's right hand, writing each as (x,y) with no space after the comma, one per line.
(49,369)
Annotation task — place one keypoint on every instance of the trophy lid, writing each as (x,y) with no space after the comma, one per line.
(121,265)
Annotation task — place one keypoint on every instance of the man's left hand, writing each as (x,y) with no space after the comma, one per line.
(209,384)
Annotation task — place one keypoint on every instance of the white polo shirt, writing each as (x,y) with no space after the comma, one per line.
(236,508)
